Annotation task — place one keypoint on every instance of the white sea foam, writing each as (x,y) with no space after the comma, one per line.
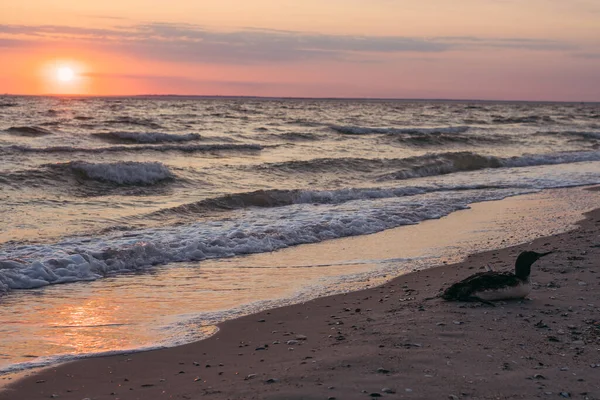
(93,258)
(122,173)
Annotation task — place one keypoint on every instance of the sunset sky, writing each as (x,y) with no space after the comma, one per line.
(476,49)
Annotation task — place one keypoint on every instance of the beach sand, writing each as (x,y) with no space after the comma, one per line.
(386,341)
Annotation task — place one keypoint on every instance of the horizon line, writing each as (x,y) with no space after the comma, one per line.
(201,96)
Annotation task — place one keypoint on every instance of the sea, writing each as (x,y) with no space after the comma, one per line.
(128,224)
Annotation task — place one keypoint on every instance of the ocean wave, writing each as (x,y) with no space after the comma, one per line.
(422,137)
(85,259)
(313,217)
(337,165)
(441,139)
(7,104)
(297,136)
(529,119)
(112,149)
(442,164)
(87,179)
(120,173)
(149,123)
(280,137)
(303,122)
(581,135)
(28,131)
(358,130)
(280,198)
(447,163)
(146,137)
(551,159)
(421,166)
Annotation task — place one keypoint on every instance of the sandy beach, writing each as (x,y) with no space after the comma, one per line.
(387,341)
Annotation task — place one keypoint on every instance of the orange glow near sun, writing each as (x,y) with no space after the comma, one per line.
(64,77)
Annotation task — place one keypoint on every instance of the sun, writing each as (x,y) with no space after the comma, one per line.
(65,74)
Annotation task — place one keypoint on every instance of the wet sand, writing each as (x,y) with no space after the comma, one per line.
(386,341)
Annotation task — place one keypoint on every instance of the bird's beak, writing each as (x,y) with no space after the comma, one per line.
(544,254)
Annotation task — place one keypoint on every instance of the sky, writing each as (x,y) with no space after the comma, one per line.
(450,49)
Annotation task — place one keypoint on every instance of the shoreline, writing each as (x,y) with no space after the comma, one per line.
(381,337)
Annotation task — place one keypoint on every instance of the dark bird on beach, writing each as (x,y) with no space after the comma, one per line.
(491,285)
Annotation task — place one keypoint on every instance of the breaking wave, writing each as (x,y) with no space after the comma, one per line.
(120,173)
(146,137)
(85,259)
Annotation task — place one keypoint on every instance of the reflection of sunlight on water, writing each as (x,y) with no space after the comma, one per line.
(176,303)
(87,326)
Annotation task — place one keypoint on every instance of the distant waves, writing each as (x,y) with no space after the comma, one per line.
(146,137)
(139,148)
(358,130)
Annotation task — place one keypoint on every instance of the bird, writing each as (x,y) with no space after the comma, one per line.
(491,286)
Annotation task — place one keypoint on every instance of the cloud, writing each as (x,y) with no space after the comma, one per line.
(12,43)
(509,43)
(193,43)
(68,32)
(588,56)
